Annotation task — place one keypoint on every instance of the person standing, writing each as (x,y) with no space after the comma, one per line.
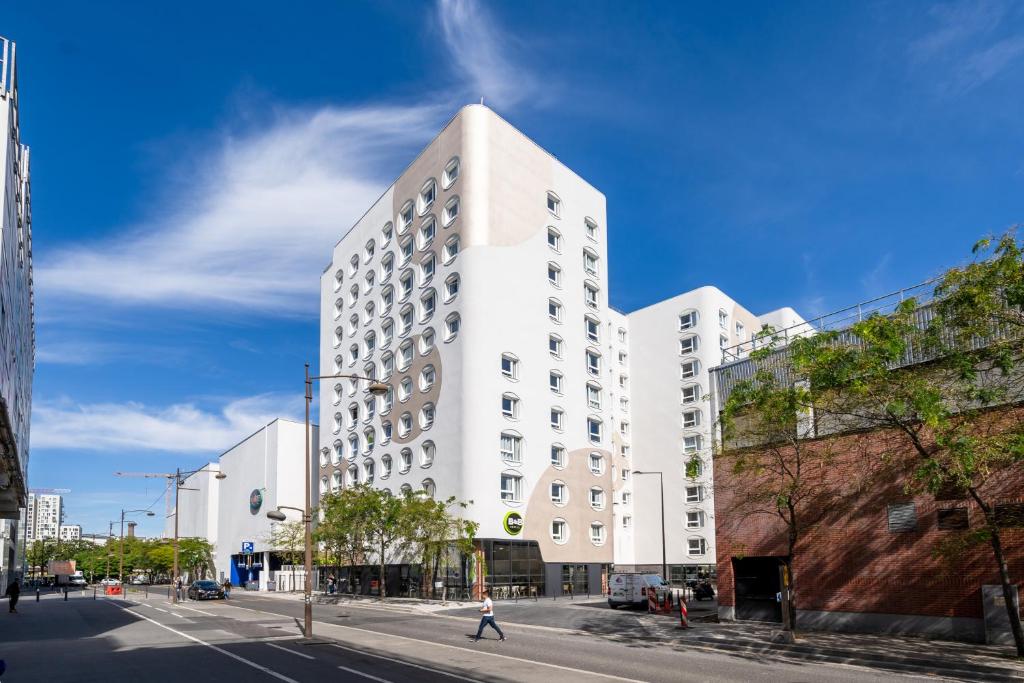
(227,588)
(13,593)
(177,588)
(487,610)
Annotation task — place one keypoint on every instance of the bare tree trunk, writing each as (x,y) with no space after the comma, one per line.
(383,589)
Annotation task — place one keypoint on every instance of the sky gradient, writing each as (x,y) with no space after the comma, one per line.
(194,163)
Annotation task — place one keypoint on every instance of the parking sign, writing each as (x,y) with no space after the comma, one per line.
(247,547)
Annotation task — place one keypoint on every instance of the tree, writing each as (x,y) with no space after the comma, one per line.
(289,538)
(938,386)
(438,533)
(774,468)
(195,557)
(390,527)
(160,558)
(344,527)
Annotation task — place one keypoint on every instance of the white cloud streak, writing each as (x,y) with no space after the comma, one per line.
(253,231)
(479,52)
(133,427)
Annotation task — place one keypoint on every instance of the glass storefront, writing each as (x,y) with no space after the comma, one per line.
(514,568)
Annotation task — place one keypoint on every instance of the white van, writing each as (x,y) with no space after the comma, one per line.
(631,588)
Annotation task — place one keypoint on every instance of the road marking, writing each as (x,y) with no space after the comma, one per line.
(365,675)
(192,609)
(286,649)
(221,650)
(161,610)
(402,662)
(610,677)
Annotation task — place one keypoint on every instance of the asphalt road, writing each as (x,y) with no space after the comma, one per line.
(256,638)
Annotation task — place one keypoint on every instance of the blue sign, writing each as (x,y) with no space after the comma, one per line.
(247,547)
(255,501)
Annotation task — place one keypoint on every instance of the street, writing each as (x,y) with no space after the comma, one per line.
(258,638)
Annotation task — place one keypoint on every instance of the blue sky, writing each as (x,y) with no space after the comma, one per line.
(193,163)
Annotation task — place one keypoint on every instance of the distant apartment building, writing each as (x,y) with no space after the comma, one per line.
(45,513)
(476,287)
(17,329)
(73,532)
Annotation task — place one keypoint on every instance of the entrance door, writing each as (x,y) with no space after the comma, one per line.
(757,585)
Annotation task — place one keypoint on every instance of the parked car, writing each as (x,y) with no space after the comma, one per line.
(631,588)
(110,581)
(205,590)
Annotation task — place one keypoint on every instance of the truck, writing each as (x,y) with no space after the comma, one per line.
(65,574)
(631,588)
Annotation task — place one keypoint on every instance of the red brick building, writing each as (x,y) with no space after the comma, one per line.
(870,563)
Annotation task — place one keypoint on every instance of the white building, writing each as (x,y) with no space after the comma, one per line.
(263,471)
(71,532)
(45,513)
(677,342)
(17,328)
(476,287)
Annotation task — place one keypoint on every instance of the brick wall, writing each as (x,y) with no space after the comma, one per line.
(850,561)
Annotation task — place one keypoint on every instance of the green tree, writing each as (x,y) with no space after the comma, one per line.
(289,538)
(390,530)
(195,557)
(343,529)
(936,387)
(160,558)
(439,534)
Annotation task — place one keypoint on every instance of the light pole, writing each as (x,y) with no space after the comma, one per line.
(120,565)
(661,482)
(178,486)
(375,388)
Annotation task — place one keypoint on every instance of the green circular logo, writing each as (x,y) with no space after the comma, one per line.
(513,523)
(255,501)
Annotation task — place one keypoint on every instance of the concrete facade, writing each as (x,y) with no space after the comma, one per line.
(17,326)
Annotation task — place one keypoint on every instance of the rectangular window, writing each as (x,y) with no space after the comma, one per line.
(554,239)
(691,418)
(627,497)
(593,330)
(902,516)
(694,494)
(594,429)
(624,428)
(556,418)
(554,275)
(691,443)
(511,448)
(696,546)
(1009,515)
(555,382)
(593,363)
(557,456)
(627,522)
(590,296)
(557,493)
(723,342)
(694,519)
(688,369)
(554,310)
(688,345)
(591,228)
(593,397)
(739,331)
(554,205)
(687,320)
(558,531)
(509,406)
(590,263)
(511,487)
(555,346)
(723,320)
(509,366)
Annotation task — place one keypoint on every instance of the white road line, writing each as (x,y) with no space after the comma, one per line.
(161,610)
(287,649)
(611,677)
(192,609)
(403,663)
(243,660)
(364,675)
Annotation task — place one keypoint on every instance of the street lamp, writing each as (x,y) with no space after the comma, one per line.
(178,486)
(376,389)
(661,482)
(120,565)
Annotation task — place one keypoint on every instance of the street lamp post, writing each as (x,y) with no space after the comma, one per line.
(120,565)
(661,482)
(178,486)
(377,389)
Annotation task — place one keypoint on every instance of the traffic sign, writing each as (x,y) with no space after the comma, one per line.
(247,547)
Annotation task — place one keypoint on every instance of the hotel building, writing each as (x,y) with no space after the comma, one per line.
(476,287)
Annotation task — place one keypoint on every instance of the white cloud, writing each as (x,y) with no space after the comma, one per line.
(480,53)
(956,24)
(255,229)
(180,428)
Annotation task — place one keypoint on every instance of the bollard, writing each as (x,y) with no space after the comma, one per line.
(37,594)
(94,592)
(147,592)
(65,594)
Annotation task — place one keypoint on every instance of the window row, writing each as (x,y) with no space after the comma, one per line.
(511,451)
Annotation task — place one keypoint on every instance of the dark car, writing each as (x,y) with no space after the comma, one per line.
(205,590)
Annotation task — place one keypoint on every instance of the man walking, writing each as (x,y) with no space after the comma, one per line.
(488,611)
(13,593)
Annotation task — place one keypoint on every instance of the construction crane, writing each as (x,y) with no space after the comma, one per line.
(169,476)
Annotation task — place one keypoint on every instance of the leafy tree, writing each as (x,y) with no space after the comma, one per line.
(159,558)
(289,538)
(935,386)
(390,529)
(195,557)
(344,527)
(438,533)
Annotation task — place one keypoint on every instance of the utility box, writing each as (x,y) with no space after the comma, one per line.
(997,621)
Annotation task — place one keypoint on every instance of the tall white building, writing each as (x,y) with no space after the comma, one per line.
(72,532)
(45,516)
(17,329)
(676,343)
(476,287)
